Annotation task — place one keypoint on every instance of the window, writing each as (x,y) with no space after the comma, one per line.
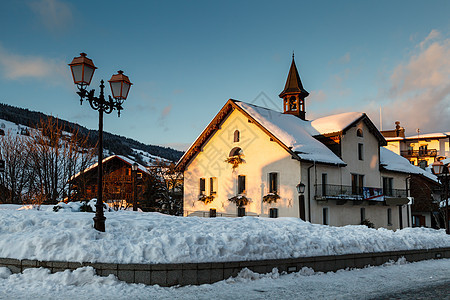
(387,186)
(357,184)
(273,183)
(363,214)
(236,136)
(423,150)
(359,132)
(360,151)
(389,217)
(325,216)
(212,212)
(241,184)
(324,184)
(202,186)
(235,151)
(213,185)
(273,213)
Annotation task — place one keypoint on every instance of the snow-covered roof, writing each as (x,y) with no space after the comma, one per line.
(427,136)
(395,138)
(393,162)
(293,132)
(141,168)
(335,123)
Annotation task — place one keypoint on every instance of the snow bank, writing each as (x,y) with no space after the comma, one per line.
(134,237)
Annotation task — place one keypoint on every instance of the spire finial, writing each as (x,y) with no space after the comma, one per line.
(292,54)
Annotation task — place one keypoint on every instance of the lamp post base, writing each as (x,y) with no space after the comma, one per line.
(99,223)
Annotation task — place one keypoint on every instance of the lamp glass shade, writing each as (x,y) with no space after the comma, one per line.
(134,167)
(438,167)
(120,85)
(82,69)
(301,188)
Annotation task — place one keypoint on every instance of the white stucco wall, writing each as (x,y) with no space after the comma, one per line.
(261,156)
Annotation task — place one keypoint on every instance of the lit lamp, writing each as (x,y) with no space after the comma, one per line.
(134,168)
(300,188)
(83,69)
(438,167)
(443,174)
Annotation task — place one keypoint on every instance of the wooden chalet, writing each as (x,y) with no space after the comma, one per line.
(117,182)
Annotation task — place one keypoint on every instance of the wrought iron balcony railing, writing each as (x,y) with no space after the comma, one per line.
(419,153)
(344,192)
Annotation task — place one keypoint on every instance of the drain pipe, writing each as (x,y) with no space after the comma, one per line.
(309,191)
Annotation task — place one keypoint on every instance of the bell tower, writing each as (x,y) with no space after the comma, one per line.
(294,94)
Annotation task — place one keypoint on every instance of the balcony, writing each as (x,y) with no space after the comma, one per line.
(343,193)
(419,153)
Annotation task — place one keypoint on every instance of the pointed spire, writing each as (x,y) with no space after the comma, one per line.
(293,82)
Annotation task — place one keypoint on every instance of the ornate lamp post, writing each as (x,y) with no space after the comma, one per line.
(134,169)
(82,71)
(443,173)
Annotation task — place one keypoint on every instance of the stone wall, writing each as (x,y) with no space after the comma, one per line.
(200,273)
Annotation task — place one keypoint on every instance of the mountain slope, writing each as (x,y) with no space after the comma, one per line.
(115,144)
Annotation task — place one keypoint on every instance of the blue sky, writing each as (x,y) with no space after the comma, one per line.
(187,58)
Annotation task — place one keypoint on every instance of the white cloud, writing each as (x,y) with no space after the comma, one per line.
(15,66)
(419,89)
(54,14)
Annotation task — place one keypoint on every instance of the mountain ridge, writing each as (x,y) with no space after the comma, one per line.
(115,144)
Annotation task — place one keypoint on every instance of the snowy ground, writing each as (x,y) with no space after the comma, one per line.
(133,237)
(367,283)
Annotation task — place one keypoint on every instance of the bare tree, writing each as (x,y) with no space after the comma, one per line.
(56,156)
(13,182)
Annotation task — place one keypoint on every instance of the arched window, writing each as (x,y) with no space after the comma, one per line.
(236,151)
(236,136)
(2,132)
(359,132)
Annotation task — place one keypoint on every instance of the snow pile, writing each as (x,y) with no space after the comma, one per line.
(133,237)
(368,283)
(79,206)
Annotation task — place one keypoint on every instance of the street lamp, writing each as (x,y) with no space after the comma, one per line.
(443,173)
(300,188)
(83,69)
(134,169)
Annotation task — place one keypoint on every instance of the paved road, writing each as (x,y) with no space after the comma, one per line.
(440,291)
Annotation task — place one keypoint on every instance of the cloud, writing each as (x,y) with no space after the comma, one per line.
(318,96)
(345,59)
(419,91)
(434,34)
(15,66)
(54,14)
(163,117)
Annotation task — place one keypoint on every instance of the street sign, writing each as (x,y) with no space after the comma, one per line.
(2,165)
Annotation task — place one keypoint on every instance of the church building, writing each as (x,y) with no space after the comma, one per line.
(254,161)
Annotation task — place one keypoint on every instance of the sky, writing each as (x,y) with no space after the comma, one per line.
(390,59)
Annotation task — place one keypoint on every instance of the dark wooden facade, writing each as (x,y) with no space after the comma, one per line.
(117,182)
(422,189)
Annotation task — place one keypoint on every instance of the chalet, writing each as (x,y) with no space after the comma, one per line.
(255,161)
(117,181)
